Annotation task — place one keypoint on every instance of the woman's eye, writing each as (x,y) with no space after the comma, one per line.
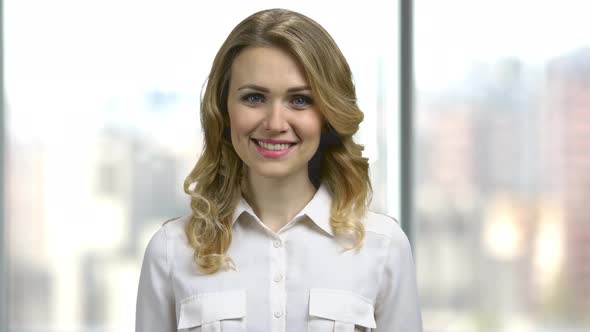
(302,101)
(253,98)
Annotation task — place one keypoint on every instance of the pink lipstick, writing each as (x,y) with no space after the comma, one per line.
(264,147)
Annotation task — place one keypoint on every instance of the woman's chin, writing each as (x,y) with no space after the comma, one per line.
(276,172)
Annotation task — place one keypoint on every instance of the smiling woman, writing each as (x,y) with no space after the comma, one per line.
(277,131)
(280,189)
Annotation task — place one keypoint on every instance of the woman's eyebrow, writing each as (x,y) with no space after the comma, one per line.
(299,88)
(263,89)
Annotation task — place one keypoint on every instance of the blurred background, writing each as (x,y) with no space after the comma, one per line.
(101,125)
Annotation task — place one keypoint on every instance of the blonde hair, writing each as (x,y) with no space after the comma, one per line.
(217,177)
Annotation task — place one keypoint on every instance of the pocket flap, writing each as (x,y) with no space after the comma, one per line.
(343,306)
(211,307)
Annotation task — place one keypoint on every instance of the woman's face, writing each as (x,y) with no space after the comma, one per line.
(275,125)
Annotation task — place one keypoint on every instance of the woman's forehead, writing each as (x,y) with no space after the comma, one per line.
(267,67)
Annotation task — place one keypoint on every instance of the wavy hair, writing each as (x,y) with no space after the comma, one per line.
(215,183)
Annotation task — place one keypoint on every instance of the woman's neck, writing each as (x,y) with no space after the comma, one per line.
(277,200)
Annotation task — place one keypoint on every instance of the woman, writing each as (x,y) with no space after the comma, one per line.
(279,238)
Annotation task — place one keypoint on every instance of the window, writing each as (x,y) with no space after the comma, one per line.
(102,118)
(502,139)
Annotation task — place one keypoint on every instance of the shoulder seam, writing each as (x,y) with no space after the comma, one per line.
(169,220)
(381,229)
(385,215)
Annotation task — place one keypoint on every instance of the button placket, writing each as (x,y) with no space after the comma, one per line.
(277,285)
(278,278)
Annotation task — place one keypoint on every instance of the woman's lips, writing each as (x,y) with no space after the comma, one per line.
(273,154)
(273,141)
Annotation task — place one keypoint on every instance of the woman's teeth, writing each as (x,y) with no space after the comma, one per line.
(274,147)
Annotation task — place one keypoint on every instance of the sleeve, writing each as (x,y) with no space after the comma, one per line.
(155,307)
(397,307)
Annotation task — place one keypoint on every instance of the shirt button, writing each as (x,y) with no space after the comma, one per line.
(277,243)
(278,314)
(278,278)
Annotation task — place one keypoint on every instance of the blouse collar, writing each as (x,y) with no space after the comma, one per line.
(317,210)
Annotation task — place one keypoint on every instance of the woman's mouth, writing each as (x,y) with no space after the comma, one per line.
(273,150)
(273,146)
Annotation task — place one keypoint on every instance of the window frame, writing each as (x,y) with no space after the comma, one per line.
(406,113)
(3,247)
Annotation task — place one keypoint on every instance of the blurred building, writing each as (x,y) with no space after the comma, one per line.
(130,175)
(568,125)
(80,211)
(503,186)
(139,181)
(29,280)
(478,192)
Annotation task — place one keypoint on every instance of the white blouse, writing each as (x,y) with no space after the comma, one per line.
(297,279)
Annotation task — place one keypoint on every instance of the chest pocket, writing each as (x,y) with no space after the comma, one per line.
(214,312)
(333,310)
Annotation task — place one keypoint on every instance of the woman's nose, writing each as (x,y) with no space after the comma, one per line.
(275,118)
